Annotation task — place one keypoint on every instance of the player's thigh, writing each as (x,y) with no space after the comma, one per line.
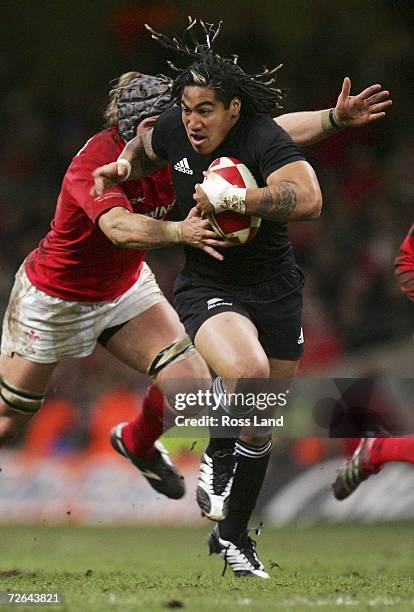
(138,341)
(276,309)
(24,375)
(228,342)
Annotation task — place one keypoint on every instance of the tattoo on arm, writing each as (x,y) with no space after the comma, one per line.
(278,202)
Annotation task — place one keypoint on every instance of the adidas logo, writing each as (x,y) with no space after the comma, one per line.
(183,166)
(301,338)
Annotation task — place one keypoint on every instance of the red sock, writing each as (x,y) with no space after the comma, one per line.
(392,449)
(140,434)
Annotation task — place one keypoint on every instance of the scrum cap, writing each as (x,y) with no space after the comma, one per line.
(144,96)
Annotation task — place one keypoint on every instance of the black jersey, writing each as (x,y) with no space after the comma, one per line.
(263,147)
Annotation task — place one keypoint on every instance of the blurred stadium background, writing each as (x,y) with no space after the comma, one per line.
(56,63)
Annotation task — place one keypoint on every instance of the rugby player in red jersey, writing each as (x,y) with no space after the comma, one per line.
(87,282)
(372,453)
(255,332)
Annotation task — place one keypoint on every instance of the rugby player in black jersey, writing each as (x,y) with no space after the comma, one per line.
(254,330)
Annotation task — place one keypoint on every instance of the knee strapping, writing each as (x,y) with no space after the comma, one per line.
(178,350)
(19,400)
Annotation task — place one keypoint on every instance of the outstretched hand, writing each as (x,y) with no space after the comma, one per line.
(367,106)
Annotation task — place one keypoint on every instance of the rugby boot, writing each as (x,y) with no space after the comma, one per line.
(158,469)
(357,469)
(214,483)
(240,555)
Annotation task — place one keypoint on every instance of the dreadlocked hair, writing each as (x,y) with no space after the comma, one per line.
(257,92)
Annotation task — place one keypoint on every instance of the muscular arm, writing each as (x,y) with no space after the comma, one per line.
(306,128)
(133,231)
(292,194)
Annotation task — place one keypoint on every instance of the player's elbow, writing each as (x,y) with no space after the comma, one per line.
(118,238)
(311,194)
(119,235)
(312,204)
(113,226)
(315,209)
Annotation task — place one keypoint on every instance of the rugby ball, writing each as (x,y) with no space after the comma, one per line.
(231,225)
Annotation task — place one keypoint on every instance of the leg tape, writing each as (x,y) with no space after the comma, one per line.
(20,400)
(173,353)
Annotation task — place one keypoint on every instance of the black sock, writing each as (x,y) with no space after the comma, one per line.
(221,437)
(251,468)
(216,444)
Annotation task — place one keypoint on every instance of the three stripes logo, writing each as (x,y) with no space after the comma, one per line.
(183,166)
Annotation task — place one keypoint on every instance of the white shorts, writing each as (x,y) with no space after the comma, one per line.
(45,329)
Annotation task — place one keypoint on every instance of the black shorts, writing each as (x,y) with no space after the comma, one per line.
(274,307)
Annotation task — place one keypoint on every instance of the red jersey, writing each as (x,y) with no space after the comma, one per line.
(404,265)
(76,261)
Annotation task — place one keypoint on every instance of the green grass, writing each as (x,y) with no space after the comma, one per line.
(328,567)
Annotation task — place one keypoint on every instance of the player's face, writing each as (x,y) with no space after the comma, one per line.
(206,120)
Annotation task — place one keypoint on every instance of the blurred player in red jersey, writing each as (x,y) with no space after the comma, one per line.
(372,453)
(87,282)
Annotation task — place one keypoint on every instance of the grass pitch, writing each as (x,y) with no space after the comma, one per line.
(132,569)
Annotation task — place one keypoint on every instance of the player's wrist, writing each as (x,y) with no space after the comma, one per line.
(232,198)
(173,232)
(222,195)
(127,165)
(330,121)
(337,122)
